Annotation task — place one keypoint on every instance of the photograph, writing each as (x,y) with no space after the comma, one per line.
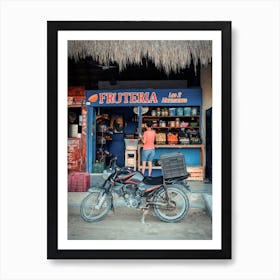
(142,159)
(144,140)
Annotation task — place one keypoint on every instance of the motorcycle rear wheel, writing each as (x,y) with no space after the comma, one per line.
(176,210)
(90,209)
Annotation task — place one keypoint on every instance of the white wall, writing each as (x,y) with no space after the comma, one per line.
(255,167)
(206,85)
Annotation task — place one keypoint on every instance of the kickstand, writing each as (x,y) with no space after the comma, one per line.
(112,207)
(145,212)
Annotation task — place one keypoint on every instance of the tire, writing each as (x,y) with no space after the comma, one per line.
(88,210)
(180,203)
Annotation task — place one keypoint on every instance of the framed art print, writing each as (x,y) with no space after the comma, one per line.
(139,140)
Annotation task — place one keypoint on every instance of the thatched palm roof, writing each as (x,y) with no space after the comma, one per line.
(168,55)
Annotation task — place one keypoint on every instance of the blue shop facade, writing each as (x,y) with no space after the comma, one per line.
(116,118)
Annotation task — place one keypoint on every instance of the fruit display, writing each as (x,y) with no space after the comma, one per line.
(184,140)
(195,140)
(172,138)
(193,124)
(175,125)
(184,124)
(160,138)
(195,137)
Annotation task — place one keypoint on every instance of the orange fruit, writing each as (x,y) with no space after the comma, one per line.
(93,98)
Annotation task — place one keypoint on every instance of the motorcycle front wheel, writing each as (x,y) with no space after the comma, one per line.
(174,210)
(95,206)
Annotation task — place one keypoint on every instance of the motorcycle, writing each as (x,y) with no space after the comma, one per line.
(167,198)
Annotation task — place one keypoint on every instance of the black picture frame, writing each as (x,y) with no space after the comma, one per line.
(53,27)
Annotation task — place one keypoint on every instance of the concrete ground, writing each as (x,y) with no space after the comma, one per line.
(125,223)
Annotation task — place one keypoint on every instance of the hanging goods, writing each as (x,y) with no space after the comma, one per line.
(143,111)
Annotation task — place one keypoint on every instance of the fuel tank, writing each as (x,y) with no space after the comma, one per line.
(134,177)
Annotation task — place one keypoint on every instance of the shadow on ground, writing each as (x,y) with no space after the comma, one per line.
(125,224)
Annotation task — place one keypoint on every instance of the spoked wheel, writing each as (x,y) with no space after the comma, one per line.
(95,206)
(174,210)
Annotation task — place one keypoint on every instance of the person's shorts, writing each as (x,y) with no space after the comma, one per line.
(148,155)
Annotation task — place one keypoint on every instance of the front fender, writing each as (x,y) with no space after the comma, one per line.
(102,190)
(93,189)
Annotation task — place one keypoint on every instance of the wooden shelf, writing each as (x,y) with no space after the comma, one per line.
(159,117)
(176,146)
(154,167)
(188,146)
(166,127)
(75,105)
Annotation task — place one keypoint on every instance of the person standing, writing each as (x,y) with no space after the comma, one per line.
(148,152)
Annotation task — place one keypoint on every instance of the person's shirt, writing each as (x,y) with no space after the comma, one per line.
(149,139)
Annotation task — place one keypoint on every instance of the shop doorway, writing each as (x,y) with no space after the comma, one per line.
(113,125)
(208,169)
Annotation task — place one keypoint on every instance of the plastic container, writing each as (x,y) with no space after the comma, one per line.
(131,144)
(172,124)
(192,124)
(194,111)
(173,165)
(187,111)
(162,123)
(184,124)
(180,111)
(172,112)
(158,112)
(177,122)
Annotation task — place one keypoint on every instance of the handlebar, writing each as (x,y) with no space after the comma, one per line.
(112,163)
(113,166)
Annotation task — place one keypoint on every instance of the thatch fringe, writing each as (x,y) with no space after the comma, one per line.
(168,55)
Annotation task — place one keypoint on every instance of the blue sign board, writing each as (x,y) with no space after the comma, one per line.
(144,97)
(136,98)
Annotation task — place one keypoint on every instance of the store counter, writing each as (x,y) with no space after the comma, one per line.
(194,156)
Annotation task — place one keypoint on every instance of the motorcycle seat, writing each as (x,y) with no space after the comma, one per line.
(153,180)
(181,178)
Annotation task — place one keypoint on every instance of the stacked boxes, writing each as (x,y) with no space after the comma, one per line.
(78,182)
(130,152)
(74,155)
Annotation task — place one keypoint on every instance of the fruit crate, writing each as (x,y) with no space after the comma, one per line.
(172,142)
(78,182)
(173,165)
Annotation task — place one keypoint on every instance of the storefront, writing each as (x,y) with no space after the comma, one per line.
(116,117)
(77,129)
